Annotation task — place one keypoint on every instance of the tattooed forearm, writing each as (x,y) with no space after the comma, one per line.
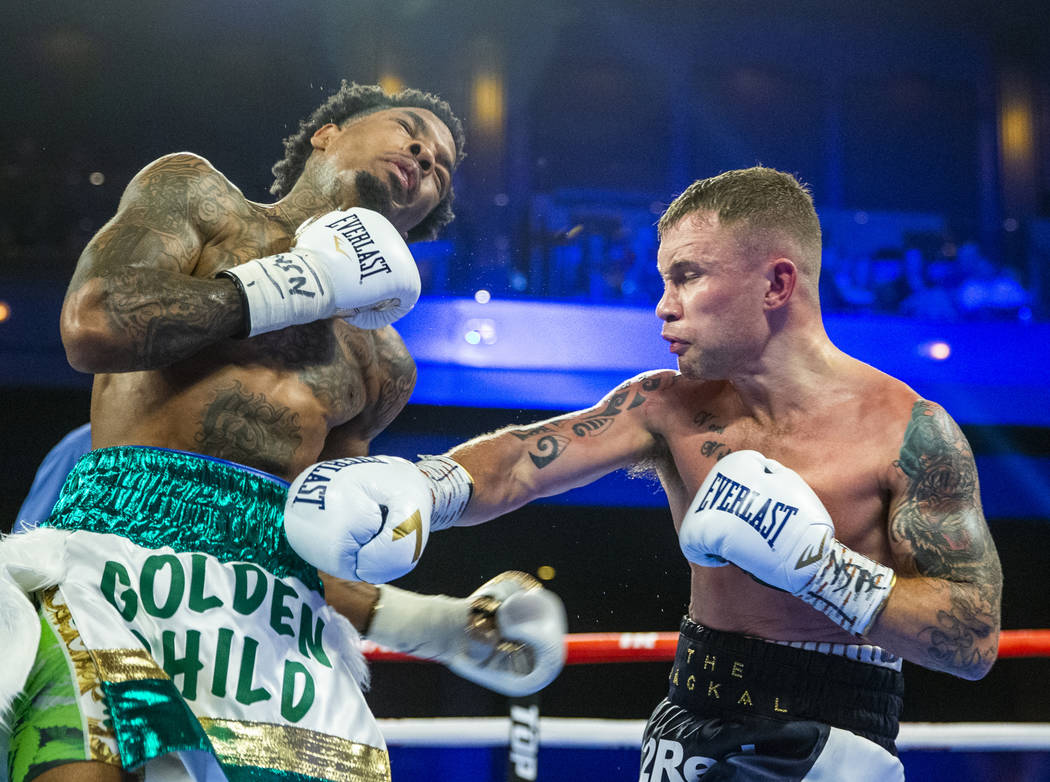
(551,443)
(161,322)
(525,434)
(966,637)
(134,302)
(939,526)
(552,439)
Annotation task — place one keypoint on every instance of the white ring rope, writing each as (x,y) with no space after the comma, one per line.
(618,734)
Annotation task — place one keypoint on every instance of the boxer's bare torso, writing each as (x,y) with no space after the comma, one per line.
(876,454)
(846,449)
(277,402)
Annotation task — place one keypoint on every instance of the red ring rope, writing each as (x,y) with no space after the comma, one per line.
(588,648)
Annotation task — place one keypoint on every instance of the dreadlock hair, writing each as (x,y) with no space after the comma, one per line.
(356,100)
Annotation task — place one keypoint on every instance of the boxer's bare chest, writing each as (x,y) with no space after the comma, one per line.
(842,454)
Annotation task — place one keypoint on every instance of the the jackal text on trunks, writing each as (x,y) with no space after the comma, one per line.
(766,515)
(717,673)
(369,259)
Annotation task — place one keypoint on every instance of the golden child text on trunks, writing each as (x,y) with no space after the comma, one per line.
(163,585)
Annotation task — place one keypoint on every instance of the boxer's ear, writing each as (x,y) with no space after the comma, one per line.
(783,275)
(323,135)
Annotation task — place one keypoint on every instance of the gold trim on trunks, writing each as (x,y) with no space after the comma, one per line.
(286,748)
(57,614)
(126,665)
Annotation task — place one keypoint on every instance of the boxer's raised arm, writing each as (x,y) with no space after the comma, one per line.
(944,612)
(516,465)
(133,303)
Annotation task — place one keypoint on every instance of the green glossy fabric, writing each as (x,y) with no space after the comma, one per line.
(151,719)
(157,497)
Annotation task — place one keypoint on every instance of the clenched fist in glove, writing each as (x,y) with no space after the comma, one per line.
(351,264)
(762,517)
(368,518)
(363,519)
(508,636)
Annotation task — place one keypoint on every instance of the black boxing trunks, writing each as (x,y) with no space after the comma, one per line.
(742,708)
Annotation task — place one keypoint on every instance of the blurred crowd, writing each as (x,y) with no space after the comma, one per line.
(956,283)
(589,251)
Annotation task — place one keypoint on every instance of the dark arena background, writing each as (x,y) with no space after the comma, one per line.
(922,128)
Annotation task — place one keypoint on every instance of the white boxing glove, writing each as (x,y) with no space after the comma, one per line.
(351,264)
(764,518)
(508,636)
(363,519)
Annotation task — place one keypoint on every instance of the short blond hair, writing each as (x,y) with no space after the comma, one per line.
(769,204)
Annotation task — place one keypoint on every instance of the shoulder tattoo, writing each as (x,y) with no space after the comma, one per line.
(940,512)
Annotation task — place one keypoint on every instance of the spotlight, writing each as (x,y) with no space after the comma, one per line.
(937,350)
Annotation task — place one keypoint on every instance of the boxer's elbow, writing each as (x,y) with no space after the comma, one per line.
(977,664)
(986,627)
(90,341)
(986,659)
(977,671)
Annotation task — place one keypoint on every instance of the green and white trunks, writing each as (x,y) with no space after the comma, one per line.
(176,633)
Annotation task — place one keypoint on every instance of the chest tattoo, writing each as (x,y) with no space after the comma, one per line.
(707,421)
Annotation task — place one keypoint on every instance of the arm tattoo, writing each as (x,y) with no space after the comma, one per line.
(164,323)
(551,442)
(145,257)
(940,523)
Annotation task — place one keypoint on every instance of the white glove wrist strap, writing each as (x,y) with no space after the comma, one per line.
(849,588)
(283,290)
(451,487)
(427,626)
